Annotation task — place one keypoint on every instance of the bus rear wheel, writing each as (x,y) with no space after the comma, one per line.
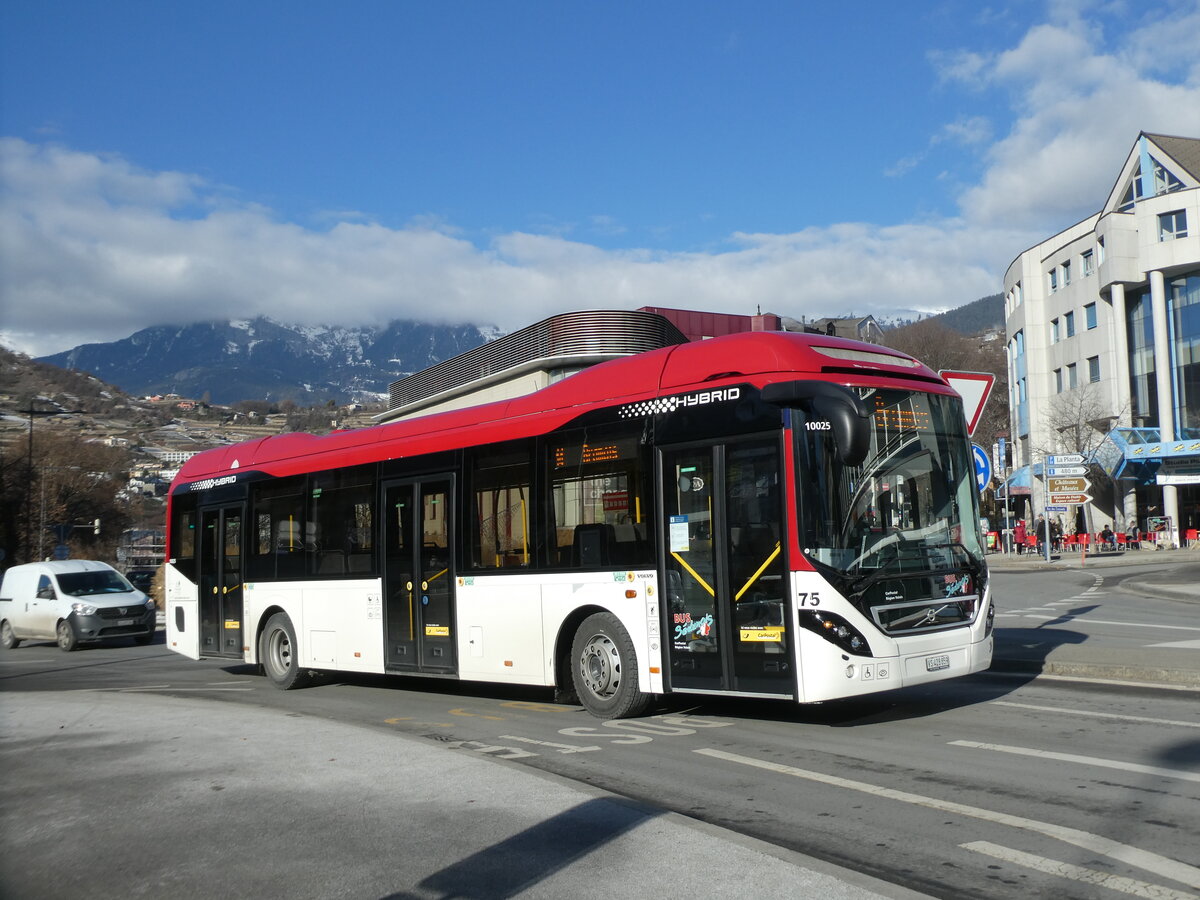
(277,652)
(604,669)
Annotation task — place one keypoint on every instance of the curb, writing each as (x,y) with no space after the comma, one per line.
(1144,675)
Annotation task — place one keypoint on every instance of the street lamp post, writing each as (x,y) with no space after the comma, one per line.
(27,539)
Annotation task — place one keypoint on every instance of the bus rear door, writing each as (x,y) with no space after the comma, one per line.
(220,580)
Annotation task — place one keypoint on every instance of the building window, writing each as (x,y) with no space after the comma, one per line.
(1022,393)
(1089,315)
(1093,369)
(1069,321)
(1058,382)
(1089,264)
(1172,225)
(1017,294)
(1066,273)
(1100,251)
(1053,280)
(1072,376)
(1054,331)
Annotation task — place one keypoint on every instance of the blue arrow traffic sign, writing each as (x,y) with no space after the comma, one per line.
(983,466)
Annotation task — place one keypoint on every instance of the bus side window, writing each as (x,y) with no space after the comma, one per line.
(501,504)
(598,485)
(277,549)
(183,535)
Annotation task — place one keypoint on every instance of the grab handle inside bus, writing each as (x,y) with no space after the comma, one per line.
(848,417)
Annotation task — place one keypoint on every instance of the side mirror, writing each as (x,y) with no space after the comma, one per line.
(46,593)
(829,406)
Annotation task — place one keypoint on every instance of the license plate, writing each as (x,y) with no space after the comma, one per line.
(121,622)
(936,663)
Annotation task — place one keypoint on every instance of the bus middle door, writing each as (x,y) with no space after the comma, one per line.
(419,575)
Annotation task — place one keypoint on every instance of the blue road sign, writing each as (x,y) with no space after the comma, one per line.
(983,466)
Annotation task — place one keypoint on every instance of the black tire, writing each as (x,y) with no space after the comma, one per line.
(277,652)
(604,669)
(65,634)
(9,640)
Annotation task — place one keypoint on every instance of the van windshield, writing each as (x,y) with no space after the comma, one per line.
(86,584)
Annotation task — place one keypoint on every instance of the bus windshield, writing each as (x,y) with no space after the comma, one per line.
(911,506)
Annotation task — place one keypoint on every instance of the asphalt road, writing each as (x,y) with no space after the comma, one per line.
(1000,785)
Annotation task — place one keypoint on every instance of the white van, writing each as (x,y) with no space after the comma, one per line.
(70,602)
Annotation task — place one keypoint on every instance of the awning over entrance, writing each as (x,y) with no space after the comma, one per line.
(1138,453)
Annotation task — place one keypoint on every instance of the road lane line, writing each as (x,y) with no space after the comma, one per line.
(1077,873)
(1085,760)
(1098,715)
(1143,859)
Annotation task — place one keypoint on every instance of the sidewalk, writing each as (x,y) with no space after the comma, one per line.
(116,795)
(1170,574)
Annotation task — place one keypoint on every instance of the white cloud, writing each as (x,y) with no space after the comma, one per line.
(93,248)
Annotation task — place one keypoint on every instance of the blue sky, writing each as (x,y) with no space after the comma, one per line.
(496,162)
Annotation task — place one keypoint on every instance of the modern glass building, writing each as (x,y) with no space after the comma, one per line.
(1103,329)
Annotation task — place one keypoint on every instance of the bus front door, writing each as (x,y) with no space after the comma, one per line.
(220,557)
(725,576)
(419,575)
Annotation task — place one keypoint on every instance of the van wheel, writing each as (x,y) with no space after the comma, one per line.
(604,669)
(277,652)
(67,640)
(9,640)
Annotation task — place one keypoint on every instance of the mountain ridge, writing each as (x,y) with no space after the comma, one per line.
(225,361)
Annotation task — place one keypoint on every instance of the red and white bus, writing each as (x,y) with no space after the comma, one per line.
(766,514)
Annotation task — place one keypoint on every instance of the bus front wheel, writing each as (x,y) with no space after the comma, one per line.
(604,669)
(277,652)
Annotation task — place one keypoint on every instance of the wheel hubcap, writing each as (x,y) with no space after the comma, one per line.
(600,666)
(281,651)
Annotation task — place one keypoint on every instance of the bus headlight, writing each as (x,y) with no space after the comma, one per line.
(836,630)
(990,622)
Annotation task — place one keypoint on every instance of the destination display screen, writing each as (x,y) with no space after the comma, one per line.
(911,414)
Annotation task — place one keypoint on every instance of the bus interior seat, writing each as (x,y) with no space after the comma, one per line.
(592,544)
(331,563)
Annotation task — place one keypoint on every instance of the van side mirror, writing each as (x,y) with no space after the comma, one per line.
(46,593)
(829,406)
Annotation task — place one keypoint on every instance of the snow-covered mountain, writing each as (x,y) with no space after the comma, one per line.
(260,359)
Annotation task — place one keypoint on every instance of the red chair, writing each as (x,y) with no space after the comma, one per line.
(1191,536)
(1122,540)
(1069,542)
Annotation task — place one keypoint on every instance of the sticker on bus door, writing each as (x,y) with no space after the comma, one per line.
(680,541)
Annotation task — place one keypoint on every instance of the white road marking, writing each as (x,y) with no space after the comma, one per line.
(1085,760)
(562,748)
(1077,873)
(1099,715)
(1182,645)
(1143,859)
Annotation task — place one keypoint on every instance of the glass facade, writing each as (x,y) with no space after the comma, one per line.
(1143,389)
(1183,305)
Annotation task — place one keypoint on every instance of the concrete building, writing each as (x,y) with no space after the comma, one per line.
(1103,331)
